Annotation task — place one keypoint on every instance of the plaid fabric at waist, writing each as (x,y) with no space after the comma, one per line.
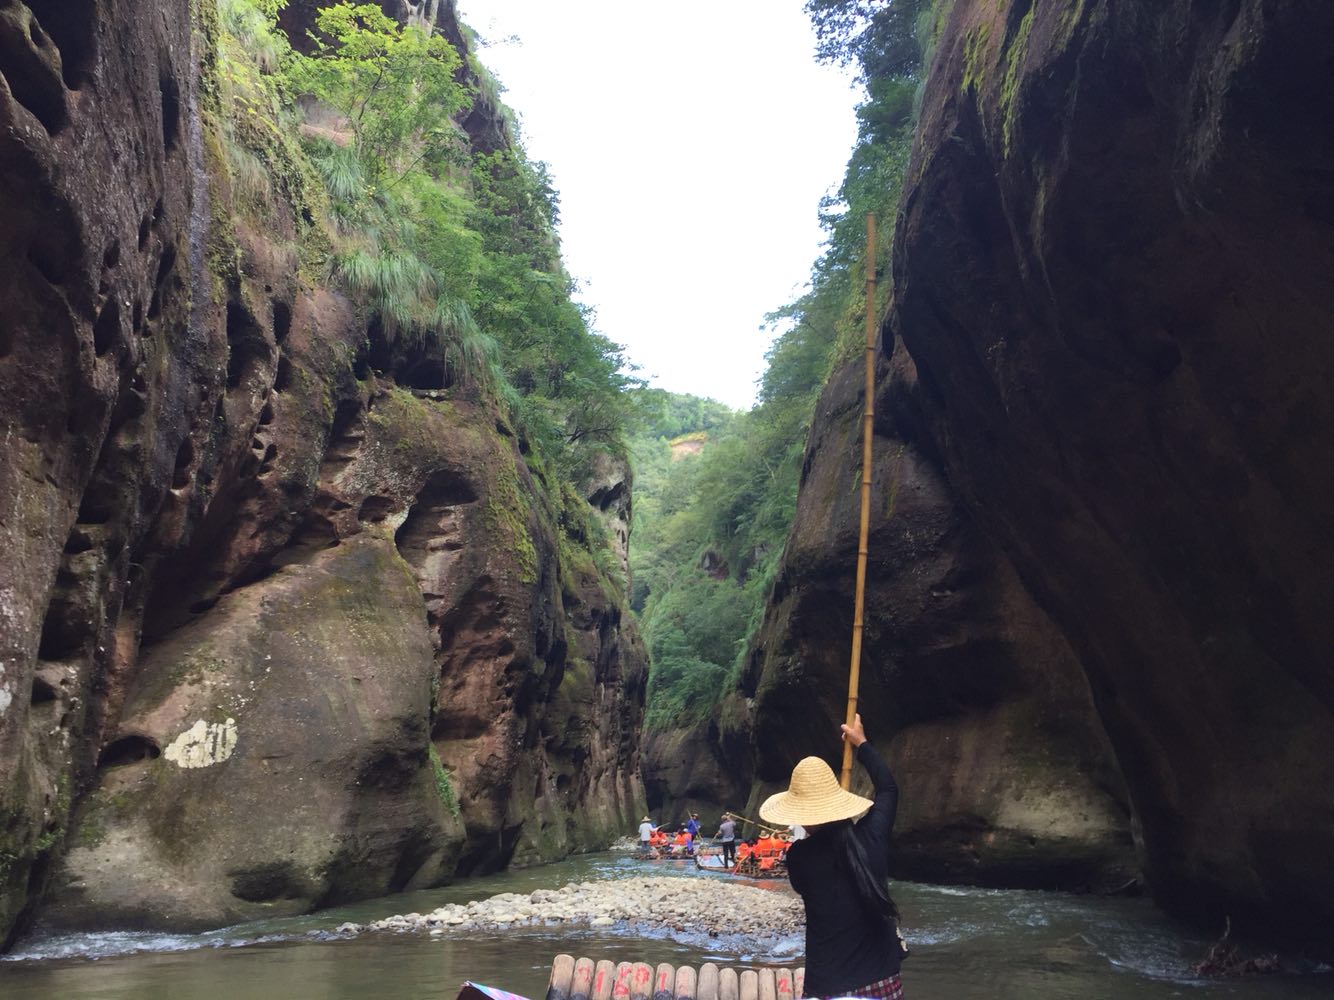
(885,989)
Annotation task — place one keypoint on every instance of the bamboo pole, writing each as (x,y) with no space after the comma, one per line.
(755,823)
(868,414)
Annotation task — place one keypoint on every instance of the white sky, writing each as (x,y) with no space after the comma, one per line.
(691,143)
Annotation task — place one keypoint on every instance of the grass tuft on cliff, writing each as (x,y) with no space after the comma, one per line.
(451,250)
(351,142)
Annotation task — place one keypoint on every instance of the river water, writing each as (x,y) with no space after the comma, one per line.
(968,944)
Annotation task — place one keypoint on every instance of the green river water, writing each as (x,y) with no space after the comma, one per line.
(967,944)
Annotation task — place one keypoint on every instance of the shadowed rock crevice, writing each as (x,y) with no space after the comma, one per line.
(30,67)
(127,750)
(73,25)
(268,883)
(247,347)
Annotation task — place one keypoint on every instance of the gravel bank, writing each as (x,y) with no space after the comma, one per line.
(685,906)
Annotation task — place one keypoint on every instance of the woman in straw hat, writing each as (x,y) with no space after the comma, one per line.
(841,870)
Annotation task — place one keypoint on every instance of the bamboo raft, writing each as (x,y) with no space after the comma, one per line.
(584,979)
(748,867)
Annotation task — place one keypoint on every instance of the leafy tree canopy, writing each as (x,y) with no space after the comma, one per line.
(395,86)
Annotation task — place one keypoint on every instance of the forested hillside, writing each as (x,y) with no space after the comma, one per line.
(710,528)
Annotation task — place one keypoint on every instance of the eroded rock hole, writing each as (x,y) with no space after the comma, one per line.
(413,364)
(171,112)
(43,693)
(106,331)
(282,321)
(284,377)
(427,373)
(128,750)
(72,25)
(428,518)
(246,347)
(165,266)
(375,509)
(111,258)
(264,883)
(78,541)
(185,457)
(266,462)
(47,256)
(94,509)
(145,227)
(25,65)
(266,415)
(346,435)
(315,534)
(63,636)
(603,498)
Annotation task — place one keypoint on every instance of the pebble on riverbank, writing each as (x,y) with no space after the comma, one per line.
(703,906)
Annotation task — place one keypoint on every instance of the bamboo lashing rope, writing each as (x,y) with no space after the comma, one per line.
(868,414)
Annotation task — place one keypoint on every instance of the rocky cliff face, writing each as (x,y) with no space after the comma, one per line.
(1005,774)
(1102,462)
(287,619)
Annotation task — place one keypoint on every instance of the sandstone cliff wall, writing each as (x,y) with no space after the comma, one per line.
(1113,276)
(1005,775)
(279,627)
(1102,515)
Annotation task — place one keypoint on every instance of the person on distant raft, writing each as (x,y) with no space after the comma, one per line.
(681,843)
(727,834)
(692,827)
(841,871)
(646,830)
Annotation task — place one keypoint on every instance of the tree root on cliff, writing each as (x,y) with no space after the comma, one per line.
(1226,958)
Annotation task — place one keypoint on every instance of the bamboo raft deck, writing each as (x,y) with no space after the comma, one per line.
(584,979)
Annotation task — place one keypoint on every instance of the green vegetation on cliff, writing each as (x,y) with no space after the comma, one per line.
(448,245)
(710,526)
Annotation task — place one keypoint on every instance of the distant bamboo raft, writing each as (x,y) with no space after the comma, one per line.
(584,979)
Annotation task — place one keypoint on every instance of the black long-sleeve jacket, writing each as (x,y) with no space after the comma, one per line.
(847,946)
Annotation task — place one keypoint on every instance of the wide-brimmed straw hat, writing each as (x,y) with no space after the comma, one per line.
(813,796)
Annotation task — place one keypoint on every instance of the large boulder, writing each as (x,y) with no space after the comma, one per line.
(270,756)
